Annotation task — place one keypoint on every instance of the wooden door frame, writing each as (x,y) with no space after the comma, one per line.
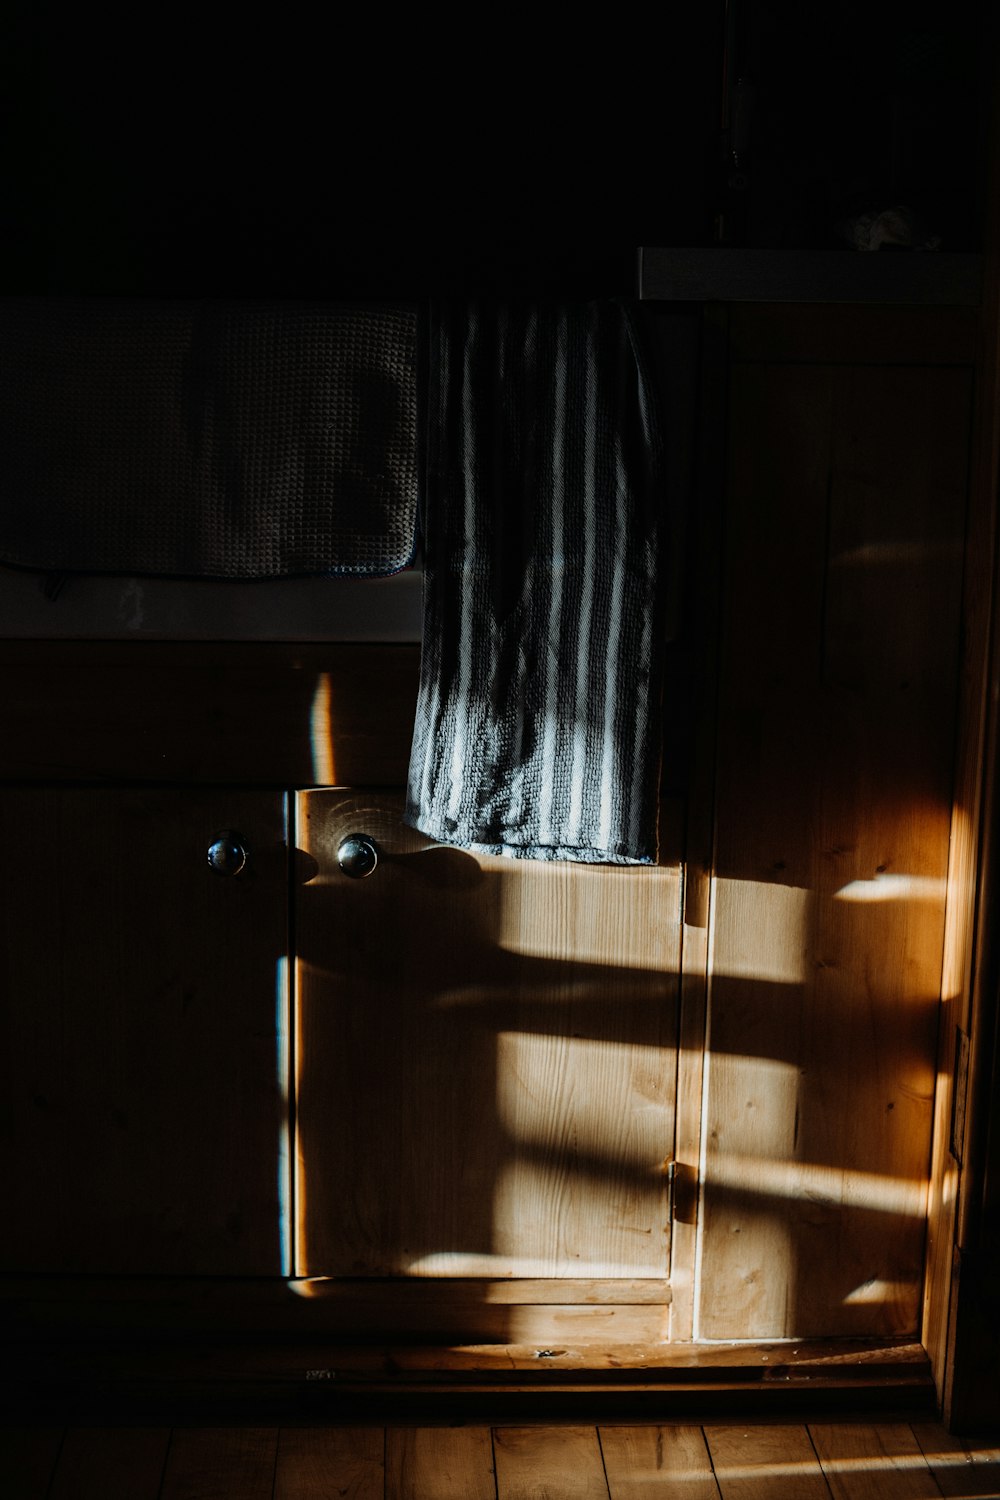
(961,1325)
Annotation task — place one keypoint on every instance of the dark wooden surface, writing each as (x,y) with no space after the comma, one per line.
(140,998)
(232,714)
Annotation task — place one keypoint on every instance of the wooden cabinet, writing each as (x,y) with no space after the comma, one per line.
(443,1101)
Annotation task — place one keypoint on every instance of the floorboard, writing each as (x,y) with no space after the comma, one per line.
(27,1460)
(221,1463)
(960,1468)
(648,1463)
(753,1459)
(315,1463)
(883,1462)
(96,1462)
(557,1463)
(772,1461)
(439,1463)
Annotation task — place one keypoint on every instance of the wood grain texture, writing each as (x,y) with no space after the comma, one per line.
(28,1459)
(648,1463)
(138,996)
(557,1463)
(220,1463)
(697,775)
(844,570)
(97,1462)
(853,335)
(767,1462)
(873,1463)
(496,1039)
(960,1467)
(315,1463)
(232,714)
(448,1463)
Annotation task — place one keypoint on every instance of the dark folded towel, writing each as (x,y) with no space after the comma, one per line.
(211,439)
(537,730)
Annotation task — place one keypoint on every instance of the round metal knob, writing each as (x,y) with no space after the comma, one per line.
(227,854)
(357,855)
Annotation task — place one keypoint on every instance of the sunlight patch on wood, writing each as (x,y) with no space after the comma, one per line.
(893,888)
(321,730)
(837,1186)
(767,930)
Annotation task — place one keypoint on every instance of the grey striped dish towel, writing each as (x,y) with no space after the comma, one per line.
(537,727)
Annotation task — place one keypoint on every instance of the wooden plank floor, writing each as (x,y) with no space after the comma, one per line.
(720,1461)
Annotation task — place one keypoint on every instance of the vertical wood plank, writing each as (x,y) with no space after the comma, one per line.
(27,1459)
(220,1463)
(96,1462)
(448,1463)
(873,1463)
(770,1462)
(317,1462)
(561,1463)
(959,1468)
(648,1463)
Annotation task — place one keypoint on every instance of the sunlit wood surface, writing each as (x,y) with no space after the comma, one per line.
(843,588)
(731,1461)
(486,1065)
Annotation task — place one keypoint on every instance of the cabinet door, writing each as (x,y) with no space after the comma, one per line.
(142,1012)
(843,587)
(486,1068)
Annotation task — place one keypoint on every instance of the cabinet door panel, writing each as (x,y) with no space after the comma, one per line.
(141,1008)
(843,588)
(486,1059)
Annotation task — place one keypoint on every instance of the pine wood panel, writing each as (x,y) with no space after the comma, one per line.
(232,714)
(139,1032)
(960,1468)
(767,1462)
(486,1059)
(225,1463)
(873,1463)
(846,517)
(27,1460)
(98,1462)
(561,1463)
(648,1463)
(450,1463)
(317,1462)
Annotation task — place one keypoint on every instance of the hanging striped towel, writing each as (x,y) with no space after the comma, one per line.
(537,726)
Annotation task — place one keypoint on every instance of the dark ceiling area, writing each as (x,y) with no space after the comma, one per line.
(385,158)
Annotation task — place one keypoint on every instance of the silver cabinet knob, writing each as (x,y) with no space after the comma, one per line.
(227,853)
(357,855)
